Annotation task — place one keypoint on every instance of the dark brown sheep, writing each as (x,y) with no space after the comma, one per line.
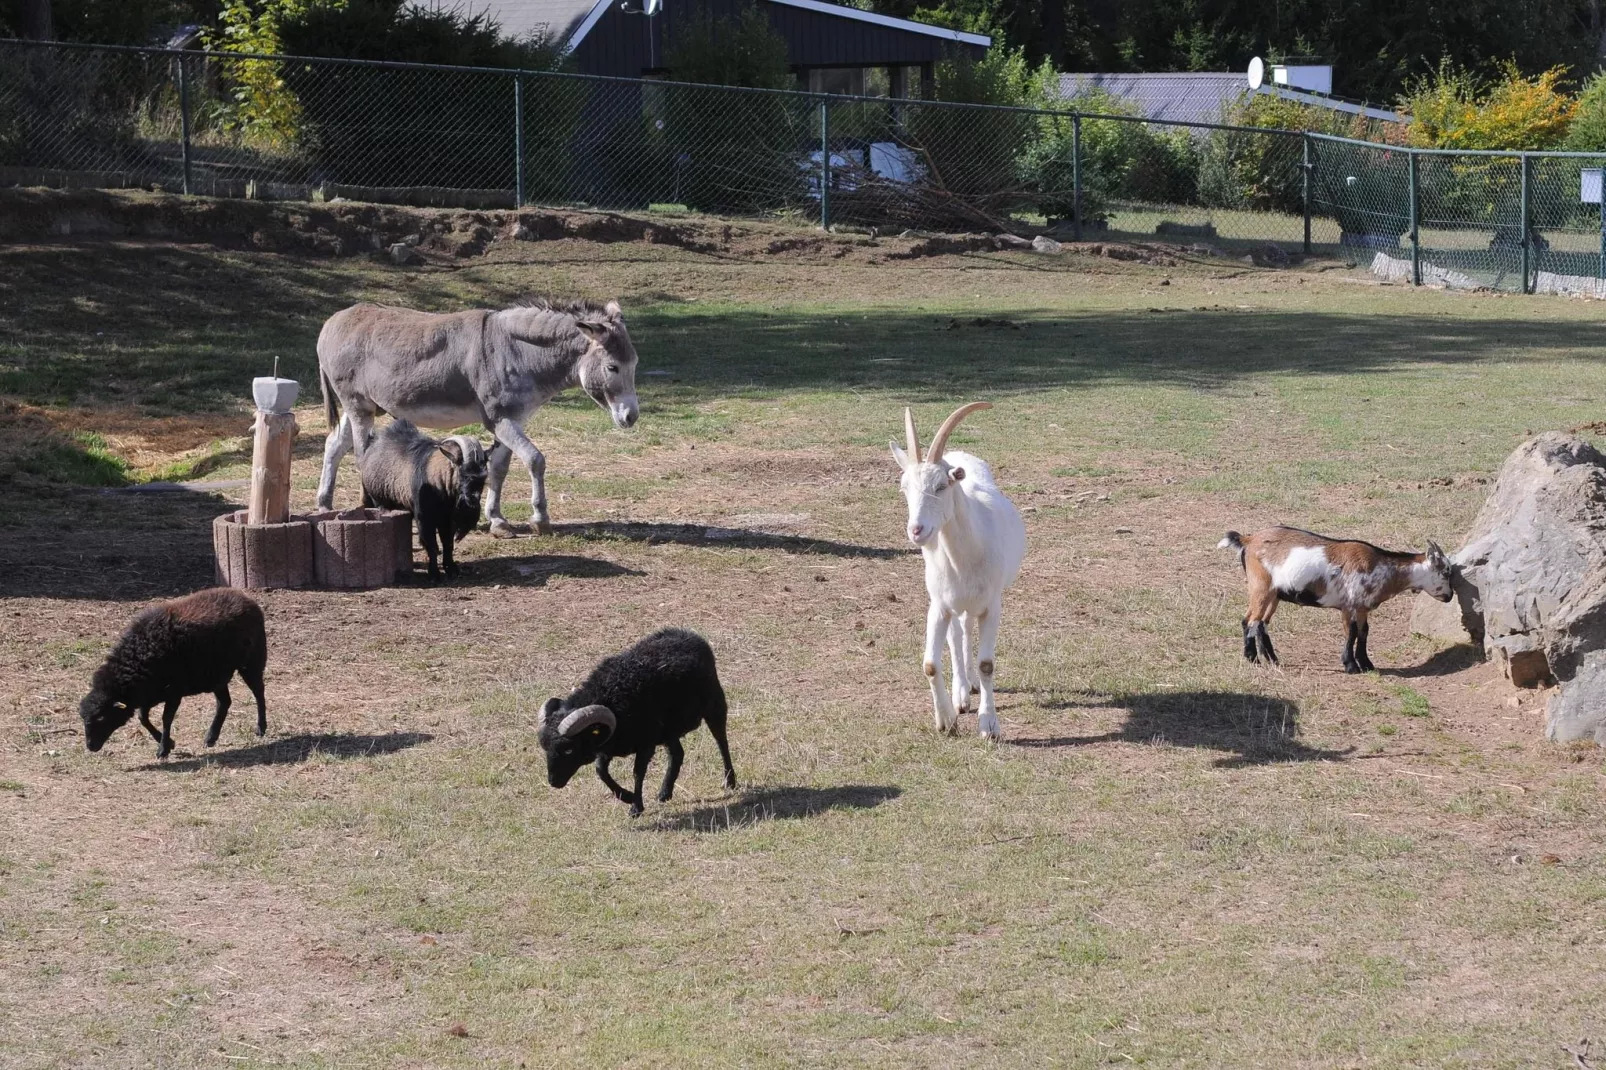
(189,646)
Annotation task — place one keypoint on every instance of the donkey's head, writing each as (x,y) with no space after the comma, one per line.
(928,483)
(607,369)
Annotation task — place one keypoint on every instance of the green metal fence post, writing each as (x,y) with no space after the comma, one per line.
(825,165)
(1076,177)
(1416,222)
(1526,258)
(184,117)
(518,140)
(1600,271)
(1306,167)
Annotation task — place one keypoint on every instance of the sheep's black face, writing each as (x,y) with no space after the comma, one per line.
(567,755)
(102,716)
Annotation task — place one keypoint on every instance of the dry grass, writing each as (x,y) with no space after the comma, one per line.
(1174,859)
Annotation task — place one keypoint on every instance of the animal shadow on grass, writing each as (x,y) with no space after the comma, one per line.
(1251,729)
(773,804)
(531,570)
(704,535)
(295,749)
(1449,660)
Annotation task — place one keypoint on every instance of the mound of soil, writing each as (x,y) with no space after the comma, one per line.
(348,228)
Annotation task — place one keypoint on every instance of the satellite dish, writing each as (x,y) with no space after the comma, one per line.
(1257,71)
(652,7)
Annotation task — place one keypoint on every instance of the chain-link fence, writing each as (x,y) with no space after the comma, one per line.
(274,127)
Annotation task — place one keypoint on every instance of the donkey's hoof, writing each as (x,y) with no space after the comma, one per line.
(501,529)
(543,527)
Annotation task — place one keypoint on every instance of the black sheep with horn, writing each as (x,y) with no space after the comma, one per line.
(634,702)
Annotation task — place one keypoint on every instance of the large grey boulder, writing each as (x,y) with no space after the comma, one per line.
(1533,578)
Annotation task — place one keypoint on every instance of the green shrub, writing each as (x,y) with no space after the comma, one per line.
(383,127)
(1122,160)
(1588,130)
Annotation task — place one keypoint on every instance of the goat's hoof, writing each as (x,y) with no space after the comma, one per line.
(1350,668)
(730,781)
(1367,666)
(636,811)
(211,741)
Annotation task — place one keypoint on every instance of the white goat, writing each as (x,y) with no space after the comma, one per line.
(973,541)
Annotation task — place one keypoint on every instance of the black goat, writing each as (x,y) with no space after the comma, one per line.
(633,703)
(189,646)
(439,481)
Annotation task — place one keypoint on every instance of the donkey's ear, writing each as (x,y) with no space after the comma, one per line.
(453,451)
(613,310)
(593,329)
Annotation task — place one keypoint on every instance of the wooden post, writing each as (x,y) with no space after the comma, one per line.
(270,468)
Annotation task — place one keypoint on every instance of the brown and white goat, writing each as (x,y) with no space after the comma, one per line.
(1290,565)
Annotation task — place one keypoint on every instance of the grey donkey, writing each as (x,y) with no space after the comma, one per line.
(445,370)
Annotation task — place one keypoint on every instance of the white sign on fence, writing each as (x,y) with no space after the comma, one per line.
(1589,185)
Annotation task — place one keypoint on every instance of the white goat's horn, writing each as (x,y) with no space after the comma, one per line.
(940,440)
(909,431)
(584,718)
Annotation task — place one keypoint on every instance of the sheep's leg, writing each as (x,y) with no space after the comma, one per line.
(1363,629)
(223,703)
(716,728)
(959,637)
(1351,633)
(145,719)
(603,761)
(427,537)
(643,760)
(445,534)
(336,445)
(253,679)
(165,747)
(677,754)
(510,434)
(987,648)
(936,626)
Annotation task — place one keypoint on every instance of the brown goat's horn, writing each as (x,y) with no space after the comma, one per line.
(940,440)
(584,718)
(909,432)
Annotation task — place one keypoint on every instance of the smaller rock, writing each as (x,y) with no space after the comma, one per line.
(401,253)
(1521,658)
(1012,241)
(1123,531)
(1045,244)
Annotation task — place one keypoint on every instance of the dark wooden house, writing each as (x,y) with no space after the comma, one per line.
(832,48)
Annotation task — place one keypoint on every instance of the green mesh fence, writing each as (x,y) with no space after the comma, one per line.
(286,128)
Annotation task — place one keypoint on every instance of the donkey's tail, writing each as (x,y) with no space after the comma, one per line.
(331,404)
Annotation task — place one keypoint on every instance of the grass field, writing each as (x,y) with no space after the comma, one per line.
(1173,859)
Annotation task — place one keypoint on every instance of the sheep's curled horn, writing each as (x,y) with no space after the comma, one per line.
(939,441)
(583,718)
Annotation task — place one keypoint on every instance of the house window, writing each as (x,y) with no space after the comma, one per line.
(848,81)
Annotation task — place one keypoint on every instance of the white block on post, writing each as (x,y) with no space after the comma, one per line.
(270,452)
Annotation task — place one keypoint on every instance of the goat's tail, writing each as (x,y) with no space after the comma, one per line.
(331,404)
(1233,541)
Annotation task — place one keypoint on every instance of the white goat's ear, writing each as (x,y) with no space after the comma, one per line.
(898,454)
(955,475)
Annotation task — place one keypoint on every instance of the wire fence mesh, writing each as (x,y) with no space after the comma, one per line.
(276,127)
